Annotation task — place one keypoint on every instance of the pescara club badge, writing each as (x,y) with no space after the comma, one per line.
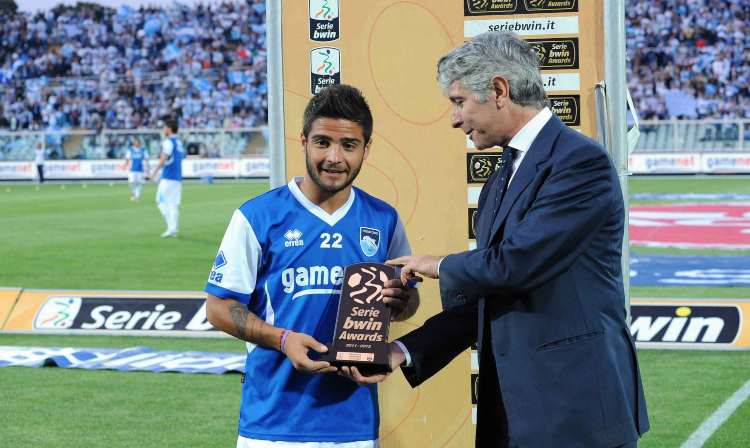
(369,240)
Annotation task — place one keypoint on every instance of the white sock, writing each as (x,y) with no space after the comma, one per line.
(173,213)
(164,213)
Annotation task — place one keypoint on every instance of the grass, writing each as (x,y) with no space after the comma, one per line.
(689,184)
(733,431)
(727,292)
(90,236)
(683,388)
(50,407)
(688,252)
(93,238)
(73,408)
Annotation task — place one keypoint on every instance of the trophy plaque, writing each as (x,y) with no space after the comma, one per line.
(360,338)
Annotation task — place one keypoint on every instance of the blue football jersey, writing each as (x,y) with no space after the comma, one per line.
(136,156)
(174,151)
(285,257)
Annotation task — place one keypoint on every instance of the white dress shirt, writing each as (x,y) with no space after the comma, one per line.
(521,142)
(525,137)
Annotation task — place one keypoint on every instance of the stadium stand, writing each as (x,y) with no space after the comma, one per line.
(98,68)
(78,74)
(689,58)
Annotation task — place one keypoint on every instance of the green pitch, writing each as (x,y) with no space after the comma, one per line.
(95,238)
(91,236)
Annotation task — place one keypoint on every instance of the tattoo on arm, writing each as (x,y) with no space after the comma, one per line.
(247,331)
(239,315)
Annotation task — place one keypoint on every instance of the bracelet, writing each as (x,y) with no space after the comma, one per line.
(284,334)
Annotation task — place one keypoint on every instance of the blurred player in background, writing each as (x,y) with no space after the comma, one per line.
(276,280)
(39,161)
(136,162)
(169,191)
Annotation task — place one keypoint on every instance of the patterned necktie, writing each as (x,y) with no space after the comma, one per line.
(501,184)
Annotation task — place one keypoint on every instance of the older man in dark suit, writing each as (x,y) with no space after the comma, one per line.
(543,292)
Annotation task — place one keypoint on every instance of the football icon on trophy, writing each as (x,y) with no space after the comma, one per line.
(366,284)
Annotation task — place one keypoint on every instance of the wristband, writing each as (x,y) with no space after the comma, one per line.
(284,334)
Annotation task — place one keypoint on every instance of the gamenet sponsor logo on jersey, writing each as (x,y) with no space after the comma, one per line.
(303,280)
(122,314)
(293,238)
(685,324)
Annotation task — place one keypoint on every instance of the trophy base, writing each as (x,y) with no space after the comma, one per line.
(365,367)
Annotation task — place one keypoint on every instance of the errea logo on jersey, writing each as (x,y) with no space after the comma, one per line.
(293,238)
(220,260)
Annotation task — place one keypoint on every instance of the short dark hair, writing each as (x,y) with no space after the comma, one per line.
(171,123)
(339,101)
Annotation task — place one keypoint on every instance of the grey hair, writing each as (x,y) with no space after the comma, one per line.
(492,53)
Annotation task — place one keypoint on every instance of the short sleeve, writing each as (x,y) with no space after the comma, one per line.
(399,243)
(167,147)
(235,269)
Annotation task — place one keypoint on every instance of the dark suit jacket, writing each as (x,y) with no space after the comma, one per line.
(546,277)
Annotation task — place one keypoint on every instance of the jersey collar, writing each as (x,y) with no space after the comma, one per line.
(329,218)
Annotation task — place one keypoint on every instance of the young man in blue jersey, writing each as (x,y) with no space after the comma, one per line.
(136,162)
(276,280)
(169,191)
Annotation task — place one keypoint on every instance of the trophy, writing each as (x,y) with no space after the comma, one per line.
(361,335)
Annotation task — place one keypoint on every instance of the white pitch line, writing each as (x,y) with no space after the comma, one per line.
(714,422)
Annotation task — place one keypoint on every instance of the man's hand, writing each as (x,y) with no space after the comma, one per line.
(296,346)
(396,356)
(412,266)
(404,301)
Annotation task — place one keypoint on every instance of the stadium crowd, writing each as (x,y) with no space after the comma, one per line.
(95,67)
(689,58)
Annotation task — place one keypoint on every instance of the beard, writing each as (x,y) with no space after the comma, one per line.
(314,173)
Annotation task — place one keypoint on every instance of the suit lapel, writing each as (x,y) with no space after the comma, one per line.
(538,153)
